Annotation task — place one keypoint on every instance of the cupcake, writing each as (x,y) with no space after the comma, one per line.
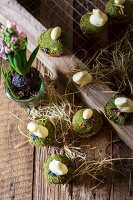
(52,41)
(119,109)
(94,23)
(58,169)
(87,122)
(41,132)
(121,10)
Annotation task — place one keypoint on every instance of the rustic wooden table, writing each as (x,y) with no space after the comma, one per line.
(21,168)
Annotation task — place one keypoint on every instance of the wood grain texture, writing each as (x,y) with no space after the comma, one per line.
(79,188)
(21,176)
(94,94)
(16,165)
(21,170)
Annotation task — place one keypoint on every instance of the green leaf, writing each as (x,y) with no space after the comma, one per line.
(10,61)
(3,73)
(22,54)
(18,64)
(32,58)
(5,77)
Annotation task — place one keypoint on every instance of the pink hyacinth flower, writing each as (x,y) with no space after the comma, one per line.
(14,39)
(1,40)
(2,51)
(2,28)
(7,50)
(21,34)
(11,24)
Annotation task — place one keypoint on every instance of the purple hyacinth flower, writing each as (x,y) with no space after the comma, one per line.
(33,137)
(53,174)
(92,120)
(49,171)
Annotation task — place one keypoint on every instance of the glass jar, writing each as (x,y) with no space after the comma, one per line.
(31,101)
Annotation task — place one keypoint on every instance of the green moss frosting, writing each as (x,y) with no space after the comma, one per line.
(41,142)
(56,179)
(89,28)
(115,12)
(87,127)
(52,47)
(112,112)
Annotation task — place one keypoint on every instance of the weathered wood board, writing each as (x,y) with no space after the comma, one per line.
(21,169)
(94,95)
(16,165)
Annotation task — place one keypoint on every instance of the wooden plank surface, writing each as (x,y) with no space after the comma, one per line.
(76,189)
(21,169)
(16,165)
(21,176)
(94,95)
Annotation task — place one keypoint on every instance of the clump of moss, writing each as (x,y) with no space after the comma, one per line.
(87,127)
(58,179)
(115,12)
(88,28)
(52,47)
(114,114)
(41,142)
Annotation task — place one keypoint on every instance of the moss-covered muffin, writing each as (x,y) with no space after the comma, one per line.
(119,110)
(94,23)
(121,10)
(58,169)
(87,122)
(41,132)
(53,41)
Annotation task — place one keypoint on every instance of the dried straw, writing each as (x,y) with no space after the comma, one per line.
(59,110)
(116,59)
(96,168)
(113,65)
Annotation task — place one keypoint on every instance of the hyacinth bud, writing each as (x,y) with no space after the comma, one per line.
(21,34)
(10,24)
(7,50)
(14,39)
(2,51)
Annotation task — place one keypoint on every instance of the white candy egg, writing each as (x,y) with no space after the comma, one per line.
(82,78)
(87,114)
(55,33)
(124,104)
(58,168)
(38,130)
(119,2)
